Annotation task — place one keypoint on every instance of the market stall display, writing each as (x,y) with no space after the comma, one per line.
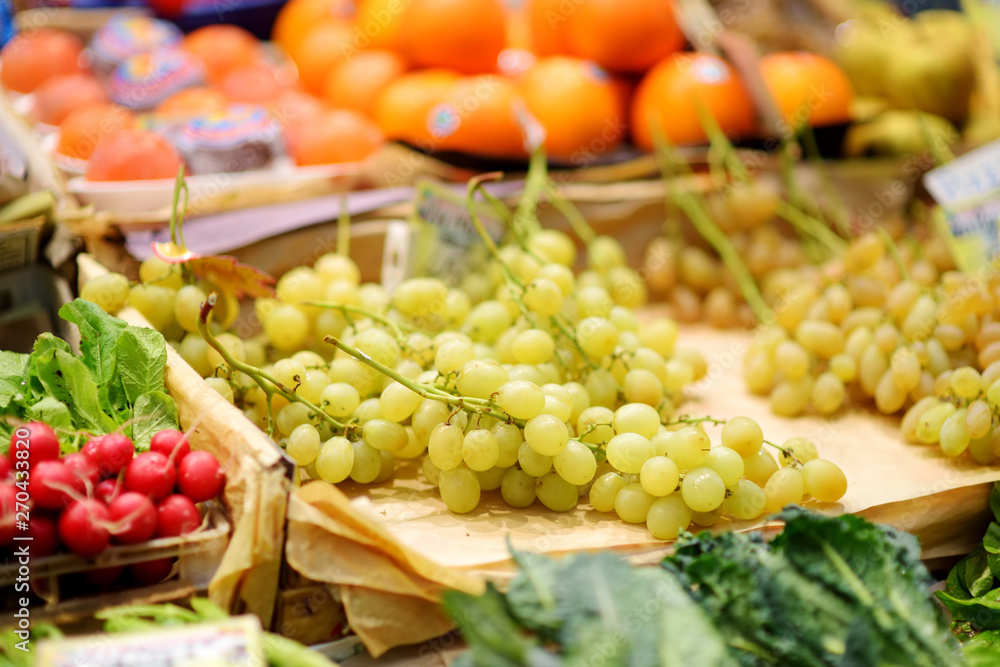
(689,355)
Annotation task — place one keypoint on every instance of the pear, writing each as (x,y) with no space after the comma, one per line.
(933,67)
(899,133)
(864,51)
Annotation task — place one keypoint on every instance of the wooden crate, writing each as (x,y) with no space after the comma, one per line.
(257,481)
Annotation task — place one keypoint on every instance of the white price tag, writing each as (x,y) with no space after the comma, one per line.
(968,191)
(234,642)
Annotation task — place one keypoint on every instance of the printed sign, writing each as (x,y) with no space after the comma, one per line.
(234,642)
(442,241)
(968,191)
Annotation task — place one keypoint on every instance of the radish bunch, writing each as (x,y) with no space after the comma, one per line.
(105,495)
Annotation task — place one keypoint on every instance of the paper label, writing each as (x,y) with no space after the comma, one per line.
(967,178)
(447,244)
(968,191)
(234,642)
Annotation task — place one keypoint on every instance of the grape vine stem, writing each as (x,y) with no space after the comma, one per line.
(262,378)
(467,403)
(397,327)
(697,214)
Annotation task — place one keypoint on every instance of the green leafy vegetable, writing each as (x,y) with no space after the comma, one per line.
(67,379)
(117,380)
(828,591)
(99,333)
(12,365)
(8,392)
(153,412)
(53,412)
(141,361)
(972,595)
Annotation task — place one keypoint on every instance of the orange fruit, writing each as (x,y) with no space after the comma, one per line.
(357,82)
(332,137)
(299,17)
(257,83)
(379,23)
(323,47)
(401,110)
(671,92)
(464,35)
(577,103)
(547,26)
(222,48)
(478,116)
(133,155)
(195,101)
(64,92)
(624,35)
(86,126)
(32,57)
(293,106)
(807,86)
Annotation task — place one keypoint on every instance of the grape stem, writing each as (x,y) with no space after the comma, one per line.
(467,403)
(795,193)
(893,250)
(598,451)
(720,143)
(572,214)
(684,419)
(397,327)
(811,227)
(696,212)
(177,213)
(262,378)
(526,215)
(784,452)
(474,184)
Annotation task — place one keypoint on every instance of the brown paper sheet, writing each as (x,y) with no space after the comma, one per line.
(912,487)
(256,488)
(390,593)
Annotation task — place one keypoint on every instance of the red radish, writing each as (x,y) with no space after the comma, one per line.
(108,490)
(90,449)
(152,571)
(176,515)
(83,467)
(44,534)
(8,504)
(199,476)
(105,576)
(37,439)
(112,453)
(4,468)
(171,443)
(152,474)
(49,485)
(83,527)
(135,516)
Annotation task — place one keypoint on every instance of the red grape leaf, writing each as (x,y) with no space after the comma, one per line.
(229,275)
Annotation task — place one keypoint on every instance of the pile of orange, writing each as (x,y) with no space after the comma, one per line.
(472,75)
